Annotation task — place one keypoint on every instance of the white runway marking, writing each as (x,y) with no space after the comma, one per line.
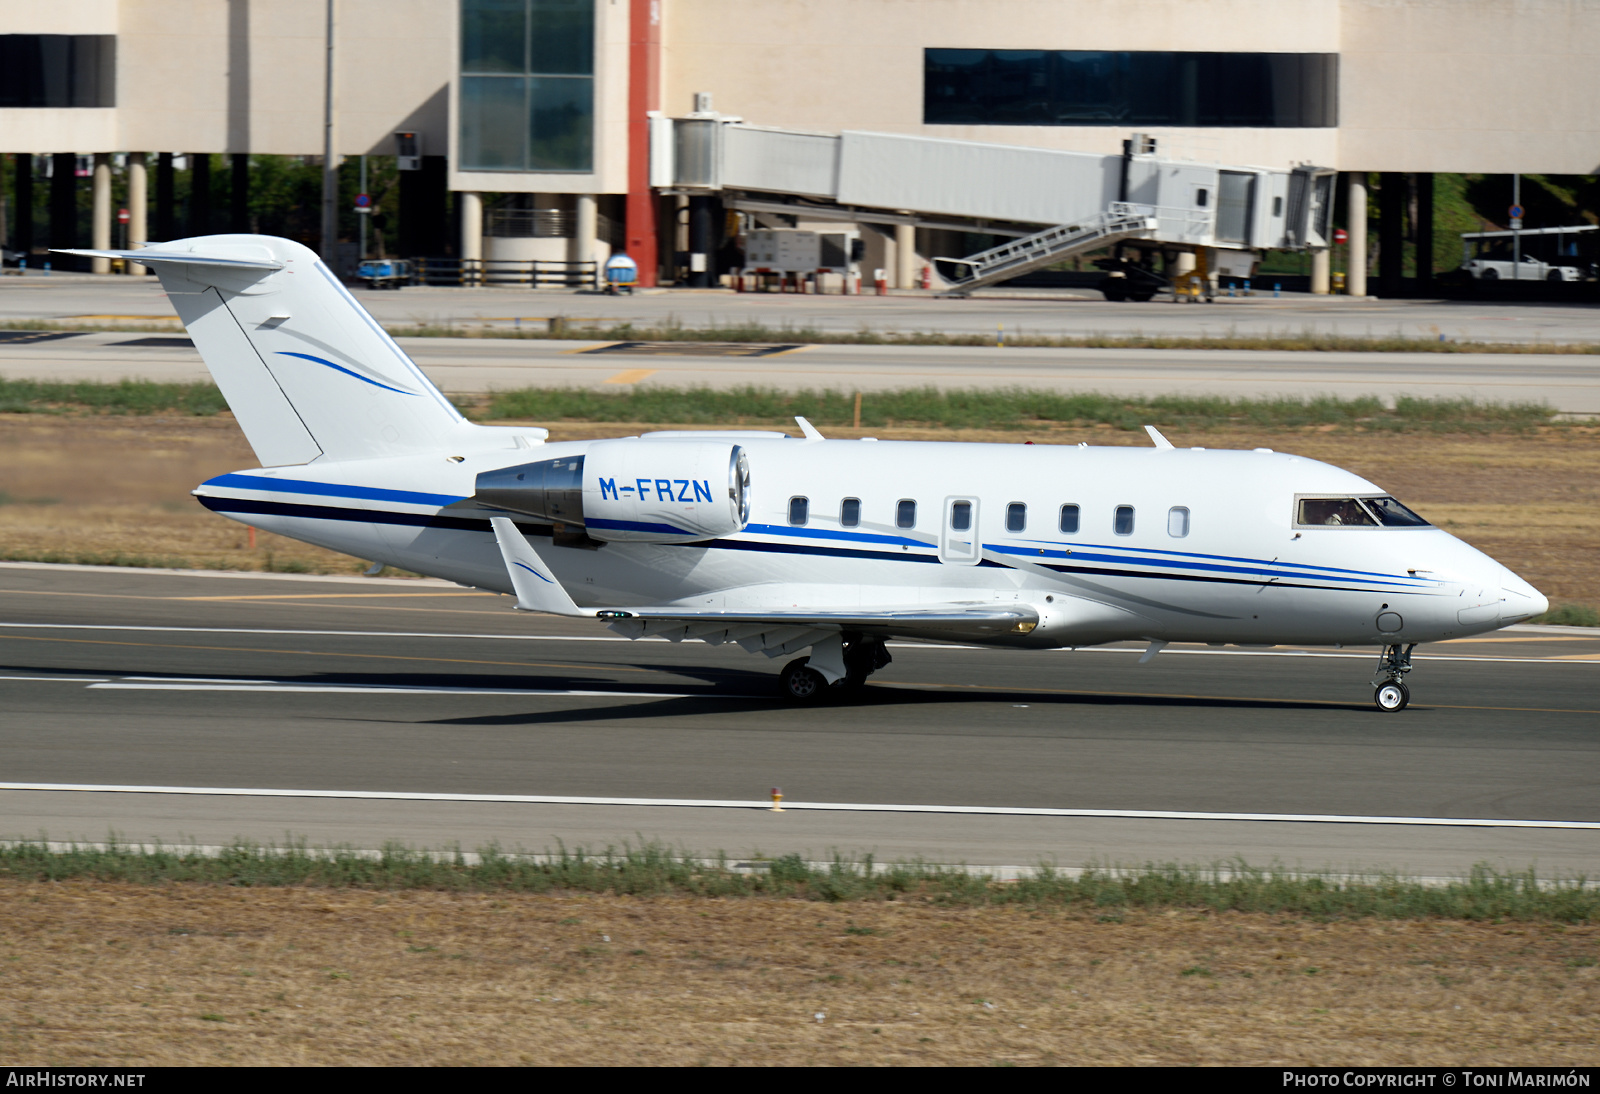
(832,807)
(134,684)
(1170,651)
(61,679)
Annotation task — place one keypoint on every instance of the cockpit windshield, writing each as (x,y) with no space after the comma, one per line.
(1356,513)
(1392,514)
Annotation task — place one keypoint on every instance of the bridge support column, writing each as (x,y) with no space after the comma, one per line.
(585,227)
(138,208)
(1321,266)
(471,203)
(100,218)
(1356,214)
(905,256)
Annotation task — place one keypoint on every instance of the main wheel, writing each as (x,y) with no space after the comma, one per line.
(1391,697)
(800,684)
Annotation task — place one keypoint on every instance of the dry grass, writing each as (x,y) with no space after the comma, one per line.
(102,974)
(83,487)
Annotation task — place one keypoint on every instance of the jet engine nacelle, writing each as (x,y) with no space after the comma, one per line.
(632,491)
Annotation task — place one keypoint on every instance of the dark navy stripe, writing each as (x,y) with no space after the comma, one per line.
(810,549)
(356,516)
(637,526)
(1262,569)
(828,533)
(1093,571)
(330,490)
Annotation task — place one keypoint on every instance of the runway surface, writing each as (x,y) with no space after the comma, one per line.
(417,708)
(1076,312)
(1570,382)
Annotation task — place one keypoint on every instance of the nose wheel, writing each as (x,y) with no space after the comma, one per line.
(1390,693)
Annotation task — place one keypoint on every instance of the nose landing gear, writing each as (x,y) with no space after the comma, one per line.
(1391,694)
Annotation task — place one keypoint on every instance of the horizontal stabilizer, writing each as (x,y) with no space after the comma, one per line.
(146,256)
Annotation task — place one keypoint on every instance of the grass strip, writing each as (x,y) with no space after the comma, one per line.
(973,408)
(1305,340)
(123,397)
(558,328)
(1004,408)
(653,869)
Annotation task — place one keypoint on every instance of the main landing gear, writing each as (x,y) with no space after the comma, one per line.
(803,686)
(1390,692)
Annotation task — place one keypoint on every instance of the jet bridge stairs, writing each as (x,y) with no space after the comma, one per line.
(1058,204)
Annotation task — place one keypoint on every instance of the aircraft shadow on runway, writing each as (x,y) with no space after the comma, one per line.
(719,690)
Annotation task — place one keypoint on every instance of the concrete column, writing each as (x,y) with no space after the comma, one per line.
(585,229)
(905,256)
(100,222)
(1356,214)
(138,208)
(1425,231)
(471,234)
(1321,266)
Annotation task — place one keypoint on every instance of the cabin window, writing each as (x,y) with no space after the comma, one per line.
(1335,513)
(1016,517)
(1069,519)
(799,510)
(1177,522)
(905,513)
(960,516)
(850,512)
(1123,523)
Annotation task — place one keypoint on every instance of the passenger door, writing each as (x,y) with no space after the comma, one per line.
(959,542)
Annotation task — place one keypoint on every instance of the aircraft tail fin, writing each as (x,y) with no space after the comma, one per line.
(307,372)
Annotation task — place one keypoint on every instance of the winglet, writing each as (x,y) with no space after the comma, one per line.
(1155,435)
(1156,646)
(812,432)
(537,588)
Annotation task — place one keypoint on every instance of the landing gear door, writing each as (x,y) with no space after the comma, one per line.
(959,542)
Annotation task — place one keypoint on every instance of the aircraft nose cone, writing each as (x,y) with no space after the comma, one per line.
(1520,601)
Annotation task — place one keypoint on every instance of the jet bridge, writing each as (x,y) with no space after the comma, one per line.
(1057,204)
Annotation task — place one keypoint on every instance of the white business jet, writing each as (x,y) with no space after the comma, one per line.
(784,544)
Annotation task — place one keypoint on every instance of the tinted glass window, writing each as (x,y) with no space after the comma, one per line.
(1178,522)
(58,70)
(1334,512)
(1016,517)
(850,512)
(527,85)
(1092,87)
(1123,524)
(1393,514)
(799,510)
(960,515)
(905,513)
(1069,518)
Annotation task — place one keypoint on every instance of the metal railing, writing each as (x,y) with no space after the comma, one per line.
(532,274)
(1019,256)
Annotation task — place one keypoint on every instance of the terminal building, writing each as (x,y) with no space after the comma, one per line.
(564,130)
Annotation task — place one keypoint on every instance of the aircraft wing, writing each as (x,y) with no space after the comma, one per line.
(777,631)
(773,631)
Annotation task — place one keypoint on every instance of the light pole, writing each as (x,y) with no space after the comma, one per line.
(330,175)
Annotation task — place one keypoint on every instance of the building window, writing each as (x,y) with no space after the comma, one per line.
(58,70)
(1123,524)
(527,85)
(905,513)
(850,512)
(799,511)
(1083,87)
